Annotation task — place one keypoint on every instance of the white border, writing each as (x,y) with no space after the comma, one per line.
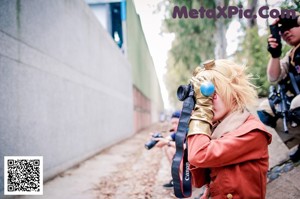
(6,192)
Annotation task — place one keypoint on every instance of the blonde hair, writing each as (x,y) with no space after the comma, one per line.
(232,84)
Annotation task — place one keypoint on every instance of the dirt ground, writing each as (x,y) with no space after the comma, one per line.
(125,170)
(143,172)
(128,170)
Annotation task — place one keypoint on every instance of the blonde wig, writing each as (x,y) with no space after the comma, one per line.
(231,82)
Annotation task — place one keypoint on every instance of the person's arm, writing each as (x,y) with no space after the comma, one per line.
(199,176)
(278,68)
(166,141)
(273,69)
(161,142)
(206,153)
(274,48)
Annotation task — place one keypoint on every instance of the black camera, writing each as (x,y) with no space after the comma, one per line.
(285,23)
(183,91)
(274,29)
(149,145)
(275,52)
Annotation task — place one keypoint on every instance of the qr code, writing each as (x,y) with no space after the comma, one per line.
(23,175)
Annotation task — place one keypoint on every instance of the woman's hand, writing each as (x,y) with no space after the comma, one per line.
(201,118)
(161,142)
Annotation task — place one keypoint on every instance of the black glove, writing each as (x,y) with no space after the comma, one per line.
(275,52)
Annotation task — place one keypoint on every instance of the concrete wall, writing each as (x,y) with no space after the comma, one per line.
(142,110)
(65,88)
(148,103)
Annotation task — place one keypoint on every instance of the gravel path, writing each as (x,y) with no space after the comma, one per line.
(128,170)
(139,175)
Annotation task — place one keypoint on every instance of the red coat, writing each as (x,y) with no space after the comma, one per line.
(238,161)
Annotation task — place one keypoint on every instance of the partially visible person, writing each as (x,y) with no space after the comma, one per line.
(168,142)
(225,141)
(279,69)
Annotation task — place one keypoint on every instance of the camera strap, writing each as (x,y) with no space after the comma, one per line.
(294,83)
(183,186)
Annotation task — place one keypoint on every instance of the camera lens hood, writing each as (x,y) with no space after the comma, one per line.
(183,92)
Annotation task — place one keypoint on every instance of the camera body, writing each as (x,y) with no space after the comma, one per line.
(151,143)
(274,29)
(285,23)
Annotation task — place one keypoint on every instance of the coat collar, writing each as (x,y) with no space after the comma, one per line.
(230,123)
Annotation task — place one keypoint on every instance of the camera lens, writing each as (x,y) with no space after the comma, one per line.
(149,145)
(182,92)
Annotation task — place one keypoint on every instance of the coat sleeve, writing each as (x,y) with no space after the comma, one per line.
(200,176)
(230,149)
